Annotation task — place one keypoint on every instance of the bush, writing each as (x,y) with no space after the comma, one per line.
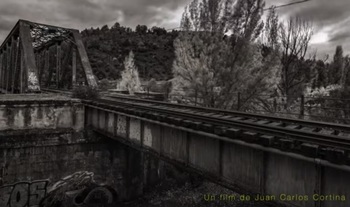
(105,85)
(86,92)
(130,76)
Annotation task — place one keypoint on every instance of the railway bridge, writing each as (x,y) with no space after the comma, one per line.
(48,136)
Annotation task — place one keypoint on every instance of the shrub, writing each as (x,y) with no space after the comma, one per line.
(86,92)
(105,84)
(130,76)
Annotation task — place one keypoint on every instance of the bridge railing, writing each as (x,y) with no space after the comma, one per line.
(35,56)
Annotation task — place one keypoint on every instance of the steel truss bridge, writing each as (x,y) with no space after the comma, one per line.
(35,56)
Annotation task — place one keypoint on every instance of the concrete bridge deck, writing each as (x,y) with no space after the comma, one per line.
(289,178)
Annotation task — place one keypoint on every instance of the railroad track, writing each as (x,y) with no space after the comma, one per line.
(316,139)
(314,126)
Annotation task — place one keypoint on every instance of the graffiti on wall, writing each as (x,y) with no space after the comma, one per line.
(78,189)
(23,194)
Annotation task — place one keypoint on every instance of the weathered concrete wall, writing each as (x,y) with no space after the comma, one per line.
(291,177)
(60,155)
(44,138)
(284,179)
(24,112)
(250,171)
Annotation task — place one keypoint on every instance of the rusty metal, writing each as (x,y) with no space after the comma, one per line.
(27,63)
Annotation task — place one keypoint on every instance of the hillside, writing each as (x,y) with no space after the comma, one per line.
(108,47)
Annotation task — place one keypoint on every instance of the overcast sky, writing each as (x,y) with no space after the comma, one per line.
(331,18)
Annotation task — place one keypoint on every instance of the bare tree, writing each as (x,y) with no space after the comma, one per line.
(295,37)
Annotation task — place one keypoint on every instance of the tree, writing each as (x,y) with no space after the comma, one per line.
(158,31)
(271,29)
(104,28)
(151,84)
(206,15)
(215,68)
(295,37)
(321,79)
(242,17)
(196,61)
(346,73)
(116,26)
(141,29)
(337,68)
(130,76)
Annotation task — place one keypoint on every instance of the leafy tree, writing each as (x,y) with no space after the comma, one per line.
(105,28)
(271,29)
(151,84)
(85,92)
(242,17)
(337,67)
(116,25)
(321,79)
(195,54)
(346,73)
(245,19)
(215,68)
(130,76)
(158,31)
(141,29)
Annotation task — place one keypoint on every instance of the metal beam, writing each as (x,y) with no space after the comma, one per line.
(1,56)
(22,74)
(46,66)
(14,63)
(3,69)
(65,66)
(8,66)
(41,65)
(29,58)
(74,68)
(84,60)
(50,70)
(18,65)
(58,64)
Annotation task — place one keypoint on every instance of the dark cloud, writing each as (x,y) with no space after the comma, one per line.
(319,11)
(82,14)
(6,24)
(340,34)
(328,16)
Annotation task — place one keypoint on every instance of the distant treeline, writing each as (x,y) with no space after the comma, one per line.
(108,47)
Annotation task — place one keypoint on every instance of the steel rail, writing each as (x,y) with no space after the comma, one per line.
(332,141)
(316,124)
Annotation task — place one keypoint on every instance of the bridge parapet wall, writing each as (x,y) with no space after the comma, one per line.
(29,112)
